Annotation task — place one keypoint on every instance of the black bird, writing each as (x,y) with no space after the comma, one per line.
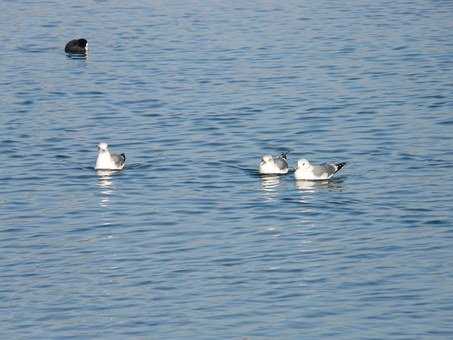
(77,46)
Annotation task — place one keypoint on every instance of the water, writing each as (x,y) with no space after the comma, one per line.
(188,241)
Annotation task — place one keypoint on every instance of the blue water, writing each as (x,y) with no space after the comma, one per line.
(188,241)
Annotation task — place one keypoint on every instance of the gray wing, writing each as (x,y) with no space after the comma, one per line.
(118,159)
(328,169)
(281,162)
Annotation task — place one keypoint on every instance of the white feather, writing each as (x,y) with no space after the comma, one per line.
(104,160)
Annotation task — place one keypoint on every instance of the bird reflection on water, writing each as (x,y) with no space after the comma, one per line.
(269,185)
(313,186)
(106,185)
(309,190)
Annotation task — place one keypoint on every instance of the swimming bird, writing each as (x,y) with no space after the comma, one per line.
(76,46)
(274,164)
(307,171)
(108,161)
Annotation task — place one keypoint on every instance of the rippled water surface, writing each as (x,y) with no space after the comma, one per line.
(188,241)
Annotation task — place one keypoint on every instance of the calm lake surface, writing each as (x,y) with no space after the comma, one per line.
(188,241)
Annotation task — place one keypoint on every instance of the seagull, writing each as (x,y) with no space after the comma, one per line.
(311,172)
(274,164)
(108,161)
(77,46)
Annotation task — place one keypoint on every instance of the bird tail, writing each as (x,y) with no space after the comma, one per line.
(340,165)
(284,155)
(123,156)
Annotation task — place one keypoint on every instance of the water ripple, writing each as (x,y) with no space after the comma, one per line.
(189,240)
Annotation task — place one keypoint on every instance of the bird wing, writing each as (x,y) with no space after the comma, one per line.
(118,159)
(324,169)
(281,163)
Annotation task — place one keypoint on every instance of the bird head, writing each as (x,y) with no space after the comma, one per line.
(102,147)
(266,158)
(302,163)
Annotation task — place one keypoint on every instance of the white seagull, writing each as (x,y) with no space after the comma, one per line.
(311,172)
(270,165)
(108,161)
